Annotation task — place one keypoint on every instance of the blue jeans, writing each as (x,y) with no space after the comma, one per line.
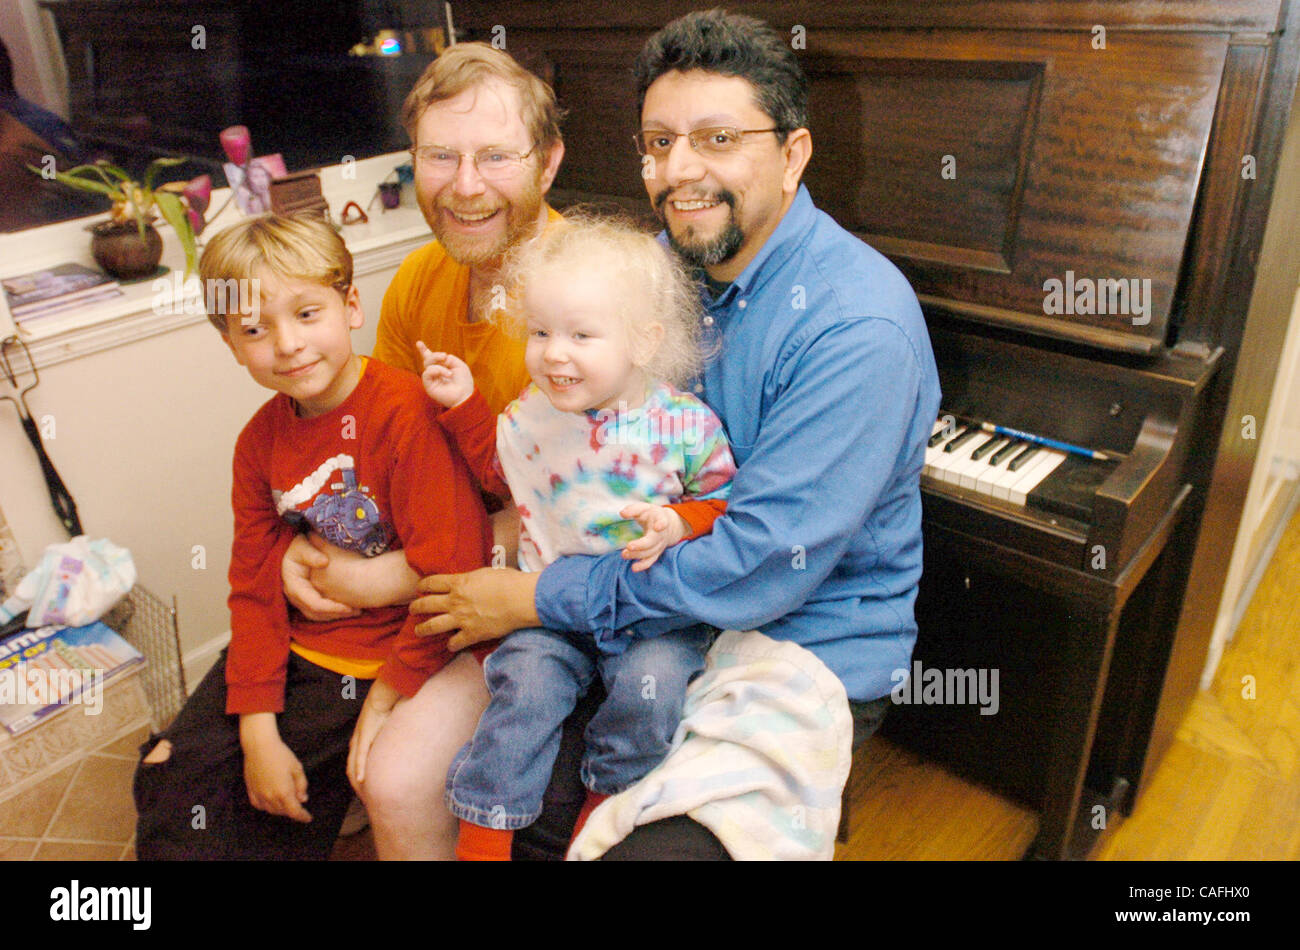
(535,679)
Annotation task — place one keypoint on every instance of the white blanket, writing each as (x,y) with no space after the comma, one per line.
(760,758)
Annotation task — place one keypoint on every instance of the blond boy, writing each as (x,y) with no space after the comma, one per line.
(348,448)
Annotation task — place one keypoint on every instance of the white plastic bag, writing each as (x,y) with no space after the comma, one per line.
(74,584)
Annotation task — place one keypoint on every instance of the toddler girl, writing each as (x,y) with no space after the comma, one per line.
(600,453)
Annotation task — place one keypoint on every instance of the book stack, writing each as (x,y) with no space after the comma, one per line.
(56,289)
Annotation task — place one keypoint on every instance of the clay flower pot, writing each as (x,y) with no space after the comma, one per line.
(119,250)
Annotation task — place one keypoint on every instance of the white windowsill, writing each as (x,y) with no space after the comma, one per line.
(146,309)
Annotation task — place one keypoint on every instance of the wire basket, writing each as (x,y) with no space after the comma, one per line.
(150,626)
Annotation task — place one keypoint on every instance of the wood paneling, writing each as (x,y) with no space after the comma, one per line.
(1069,160)
(1178,15)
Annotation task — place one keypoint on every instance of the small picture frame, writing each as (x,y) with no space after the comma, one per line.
(253,195)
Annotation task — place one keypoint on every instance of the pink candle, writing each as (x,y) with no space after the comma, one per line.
(238,144)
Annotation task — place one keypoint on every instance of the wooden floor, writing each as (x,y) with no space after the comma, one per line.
(1228,789)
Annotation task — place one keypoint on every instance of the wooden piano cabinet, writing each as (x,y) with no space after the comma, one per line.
(1052,634)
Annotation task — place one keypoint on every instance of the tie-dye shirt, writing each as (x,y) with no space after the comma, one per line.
(570,473)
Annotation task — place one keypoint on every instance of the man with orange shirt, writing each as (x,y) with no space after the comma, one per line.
(486,146)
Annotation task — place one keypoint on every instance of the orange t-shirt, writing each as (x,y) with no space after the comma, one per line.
(428,300)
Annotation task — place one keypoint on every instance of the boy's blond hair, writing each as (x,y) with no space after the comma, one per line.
(652,285)
(300,247)
(465,66)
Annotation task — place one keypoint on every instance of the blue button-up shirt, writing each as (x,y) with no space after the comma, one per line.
(826,383)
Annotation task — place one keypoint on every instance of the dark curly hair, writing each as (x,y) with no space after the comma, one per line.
(731,45)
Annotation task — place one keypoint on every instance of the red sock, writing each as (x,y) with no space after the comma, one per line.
(477,843)
(588,806)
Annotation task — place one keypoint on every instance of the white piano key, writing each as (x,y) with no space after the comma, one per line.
(1038,469)
(1002,487)
(935,457)
(992,474)
(976,467)
(931,452)
(947,465)
(963,472)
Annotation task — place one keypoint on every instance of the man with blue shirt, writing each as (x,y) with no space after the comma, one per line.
(824,379)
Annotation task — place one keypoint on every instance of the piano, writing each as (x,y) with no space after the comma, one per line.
(1081,195)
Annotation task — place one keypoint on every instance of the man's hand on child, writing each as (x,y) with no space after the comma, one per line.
(374,713)
(663,528)
(273,775)
(447,378)
(300,561)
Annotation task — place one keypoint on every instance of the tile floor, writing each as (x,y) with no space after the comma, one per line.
(85,813)
(82,813)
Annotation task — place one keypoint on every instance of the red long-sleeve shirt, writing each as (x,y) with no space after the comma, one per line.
(375,474)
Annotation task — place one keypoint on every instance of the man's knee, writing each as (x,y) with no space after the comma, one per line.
(679,838)
(395,782)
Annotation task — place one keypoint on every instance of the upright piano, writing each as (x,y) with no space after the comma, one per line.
(1078,192)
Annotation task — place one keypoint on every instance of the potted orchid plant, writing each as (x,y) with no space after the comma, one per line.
(127,245)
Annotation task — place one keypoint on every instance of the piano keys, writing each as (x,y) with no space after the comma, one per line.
(1008,469)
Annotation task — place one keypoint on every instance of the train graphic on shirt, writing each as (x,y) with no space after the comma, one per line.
(345,515)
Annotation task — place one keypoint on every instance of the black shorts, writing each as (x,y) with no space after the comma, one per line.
(194,806)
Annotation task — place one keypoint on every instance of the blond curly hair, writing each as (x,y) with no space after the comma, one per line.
(654,287)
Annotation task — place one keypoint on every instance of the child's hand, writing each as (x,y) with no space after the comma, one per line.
(374,713)
(663,528)
(303,563)
(361,581)
(275,778)
(447,379)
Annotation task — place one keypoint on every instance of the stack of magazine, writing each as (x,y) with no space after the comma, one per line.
(44,671)
(56,289)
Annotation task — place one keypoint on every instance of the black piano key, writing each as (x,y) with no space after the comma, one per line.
(1070,489)
(1010,448)
(966,434)
(986,448)
(1019,461)
(939,437)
